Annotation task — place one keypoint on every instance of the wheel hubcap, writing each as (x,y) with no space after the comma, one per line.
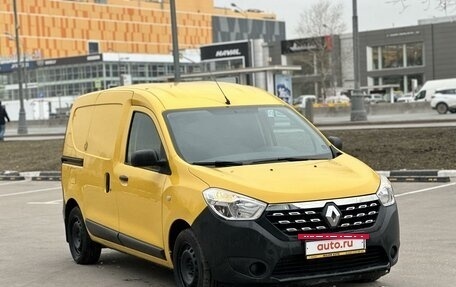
(441,108)
(189,267)
(76,236)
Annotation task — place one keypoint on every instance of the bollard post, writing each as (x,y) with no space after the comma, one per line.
(308,112)
(358,112)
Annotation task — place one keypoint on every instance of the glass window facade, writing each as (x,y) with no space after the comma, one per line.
(375,58)
(404,81)
(78,79)
(392,56)
(396,56)
(414,54)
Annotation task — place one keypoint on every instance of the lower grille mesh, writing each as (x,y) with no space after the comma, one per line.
(299,266)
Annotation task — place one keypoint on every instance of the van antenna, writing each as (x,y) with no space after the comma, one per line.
(226,98)
(227,101)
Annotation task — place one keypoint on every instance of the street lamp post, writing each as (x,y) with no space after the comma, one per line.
(172,4)
(22,124)
(358,113)
(332,57)
(239,10)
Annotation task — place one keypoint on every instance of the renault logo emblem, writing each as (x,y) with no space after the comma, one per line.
(332,214)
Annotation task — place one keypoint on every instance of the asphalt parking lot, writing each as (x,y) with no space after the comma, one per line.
(33,251)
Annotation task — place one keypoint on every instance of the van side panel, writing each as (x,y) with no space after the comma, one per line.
(94,131)
(103,130)
(80,125)
(99,200)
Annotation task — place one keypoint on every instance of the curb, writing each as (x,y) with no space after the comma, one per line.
(11,176)
(419,175)
(34,176)
(47,176)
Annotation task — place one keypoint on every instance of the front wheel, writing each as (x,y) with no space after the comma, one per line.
(190,266)
(442,108)
(82,248)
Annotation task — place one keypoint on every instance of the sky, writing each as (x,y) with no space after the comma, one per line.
(372,14)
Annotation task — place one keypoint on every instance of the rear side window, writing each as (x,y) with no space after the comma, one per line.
(447,91)
(143,136)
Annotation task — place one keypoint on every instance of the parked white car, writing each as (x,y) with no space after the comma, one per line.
(407,98)
(375,98)
(444,100)
(300,102)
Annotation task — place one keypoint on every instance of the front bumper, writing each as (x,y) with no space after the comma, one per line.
(256,252)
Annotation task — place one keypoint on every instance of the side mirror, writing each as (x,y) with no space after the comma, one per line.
(144,158)
(335,141)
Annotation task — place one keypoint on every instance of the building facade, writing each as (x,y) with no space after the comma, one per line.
(320,59)
(63,28)
(74,47)
(404,58)
(401,55)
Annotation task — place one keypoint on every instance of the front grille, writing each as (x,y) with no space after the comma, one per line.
(299,266)
(310,217)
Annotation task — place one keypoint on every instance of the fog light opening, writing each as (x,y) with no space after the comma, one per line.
(393,252)
(258,269)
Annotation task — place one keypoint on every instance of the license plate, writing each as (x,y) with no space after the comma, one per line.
(334,247)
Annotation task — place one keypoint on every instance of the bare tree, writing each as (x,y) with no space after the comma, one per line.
(317,25)
(443,5)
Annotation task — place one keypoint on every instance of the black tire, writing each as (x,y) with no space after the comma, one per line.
(82,248)
(442,108)
(190,266)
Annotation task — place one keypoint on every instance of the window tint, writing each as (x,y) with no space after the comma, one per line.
(245,134)
(446,92)
(421,95)
(143,136)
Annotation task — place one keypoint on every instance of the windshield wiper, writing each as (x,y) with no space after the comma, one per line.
(278,159)
(218,163)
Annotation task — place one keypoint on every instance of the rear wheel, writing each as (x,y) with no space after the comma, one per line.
(442,108)
(190,266)
(82,248)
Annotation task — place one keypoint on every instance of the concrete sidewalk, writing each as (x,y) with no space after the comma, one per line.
(421,117)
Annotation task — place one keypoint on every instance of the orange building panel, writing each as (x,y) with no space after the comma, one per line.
(61,28)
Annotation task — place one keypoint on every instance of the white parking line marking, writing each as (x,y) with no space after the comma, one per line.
(29,191)
(425,189)
(12,182)
(58,201)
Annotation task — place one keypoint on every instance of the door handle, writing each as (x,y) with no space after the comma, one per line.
(123,178)
(107,182)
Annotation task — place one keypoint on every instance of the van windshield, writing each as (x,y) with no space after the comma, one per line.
(244,135)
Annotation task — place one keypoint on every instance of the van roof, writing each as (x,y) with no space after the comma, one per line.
(202,94)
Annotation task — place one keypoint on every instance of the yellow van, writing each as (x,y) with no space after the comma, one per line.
(224,183)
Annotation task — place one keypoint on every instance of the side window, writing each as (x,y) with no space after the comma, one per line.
(421,95)
(143,136)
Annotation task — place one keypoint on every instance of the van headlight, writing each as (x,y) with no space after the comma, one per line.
(385,192)
(233,206)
